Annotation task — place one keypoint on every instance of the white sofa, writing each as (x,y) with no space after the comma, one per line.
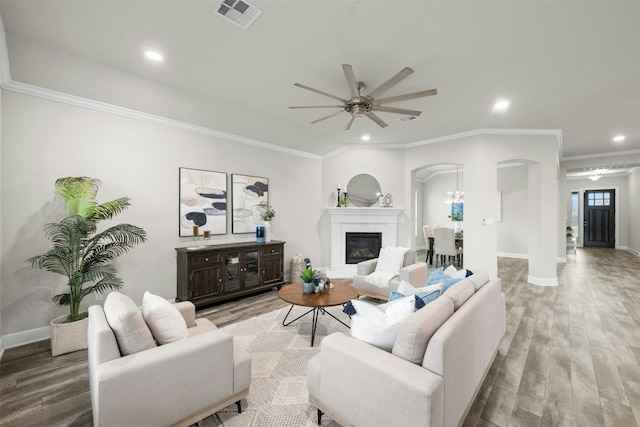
(412,272)
(175,384)
(357,384)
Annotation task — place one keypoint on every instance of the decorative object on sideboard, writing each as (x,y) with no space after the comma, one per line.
(250,198)
(267,216)
(203,201)
(260,233)
(83,255)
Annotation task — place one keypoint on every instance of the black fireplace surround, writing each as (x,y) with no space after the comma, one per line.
(362,246)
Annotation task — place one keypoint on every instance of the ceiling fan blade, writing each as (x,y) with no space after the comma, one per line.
(348,126)
(408,96)
(320,92)
(376,119)
(327,117)
(351,80)
(318,106)
(391,82)
(398,111)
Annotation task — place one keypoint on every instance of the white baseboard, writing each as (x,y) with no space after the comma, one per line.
(633,251)
(513,255)
(1,349)
(26,337)
(542,281)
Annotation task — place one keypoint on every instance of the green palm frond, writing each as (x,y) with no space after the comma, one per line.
(110,209)
(80,254)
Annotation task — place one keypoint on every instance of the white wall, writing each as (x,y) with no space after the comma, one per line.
(43,140)
(513,239)
(633,242)
(480,156)
(386,165)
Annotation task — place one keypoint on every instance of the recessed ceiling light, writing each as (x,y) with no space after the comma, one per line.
(365,137)
(619,138)
(153,55)
(501,105)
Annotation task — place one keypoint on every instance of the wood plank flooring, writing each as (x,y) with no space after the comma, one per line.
(570,355)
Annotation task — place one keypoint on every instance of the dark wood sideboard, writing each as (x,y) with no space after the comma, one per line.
(220,272)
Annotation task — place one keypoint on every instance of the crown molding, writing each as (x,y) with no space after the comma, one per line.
(454,136)
(600,155)
(52,95)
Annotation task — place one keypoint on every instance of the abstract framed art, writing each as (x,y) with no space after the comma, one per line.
(250,198)
(203,202)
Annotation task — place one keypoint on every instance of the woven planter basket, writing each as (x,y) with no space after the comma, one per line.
(68,337)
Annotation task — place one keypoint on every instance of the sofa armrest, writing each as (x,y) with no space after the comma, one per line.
(363,385)
(188,311)
(416,274)
(167,383)
(367,267)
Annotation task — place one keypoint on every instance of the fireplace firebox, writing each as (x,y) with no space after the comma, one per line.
(362,246)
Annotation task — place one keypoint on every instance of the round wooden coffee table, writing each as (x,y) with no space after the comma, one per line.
(341,293)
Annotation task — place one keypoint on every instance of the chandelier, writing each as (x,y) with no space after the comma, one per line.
(455,196)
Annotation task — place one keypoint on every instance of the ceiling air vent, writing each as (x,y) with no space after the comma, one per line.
(408,118)
(239,12)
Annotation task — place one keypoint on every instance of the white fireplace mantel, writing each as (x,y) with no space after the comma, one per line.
(359,220)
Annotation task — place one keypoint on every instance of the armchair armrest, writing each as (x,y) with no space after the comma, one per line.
(367,267)
(181,370)
(360,384)
(188,311)
(416,274)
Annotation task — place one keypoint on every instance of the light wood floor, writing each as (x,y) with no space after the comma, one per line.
(570,356)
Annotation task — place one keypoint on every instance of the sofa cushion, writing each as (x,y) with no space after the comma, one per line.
(415,331)
(128,325)
(165,321)
(378,325)
(460,292)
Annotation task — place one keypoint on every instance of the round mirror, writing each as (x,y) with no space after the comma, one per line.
(363,190)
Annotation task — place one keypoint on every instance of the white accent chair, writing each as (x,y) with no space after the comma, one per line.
(176,384)
(411,271)
(444,245)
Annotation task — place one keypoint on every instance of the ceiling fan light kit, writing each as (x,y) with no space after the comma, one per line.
(359,105)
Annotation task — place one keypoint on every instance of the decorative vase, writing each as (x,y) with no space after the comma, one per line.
(260,234)
(307,288)
(267,231)
(457,228)
(68,337)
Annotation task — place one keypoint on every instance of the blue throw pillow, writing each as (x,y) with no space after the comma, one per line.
(395,295)
(424,298)
(436,276)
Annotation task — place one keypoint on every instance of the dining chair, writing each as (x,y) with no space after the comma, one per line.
(427,232)
(445,245)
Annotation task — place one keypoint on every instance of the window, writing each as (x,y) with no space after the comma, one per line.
(599,199)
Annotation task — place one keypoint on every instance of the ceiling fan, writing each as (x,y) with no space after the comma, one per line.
(358,105)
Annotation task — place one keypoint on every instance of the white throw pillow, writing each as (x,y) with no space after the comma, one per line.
(391,259)
(479,278)
(449,271)
(377,327)
(165,321)
(128,325)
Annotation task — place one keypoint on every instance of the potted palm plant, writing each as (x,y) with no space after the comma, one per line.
(83,255)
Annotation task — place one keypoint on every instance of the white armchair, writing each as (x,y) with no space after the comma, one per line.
(175,384)
(411,271)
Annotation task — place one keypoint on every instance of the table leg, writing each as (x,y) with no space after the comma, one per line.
(289,312)
(314,324)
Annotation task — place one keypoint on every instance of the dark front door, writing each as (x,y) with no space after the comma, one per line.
(599,218)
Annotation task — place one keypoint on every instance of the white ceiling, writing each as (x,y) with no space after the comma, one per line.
(573,66)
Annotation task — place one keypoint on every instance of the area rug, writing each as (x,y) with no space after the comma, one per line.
(278,396)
